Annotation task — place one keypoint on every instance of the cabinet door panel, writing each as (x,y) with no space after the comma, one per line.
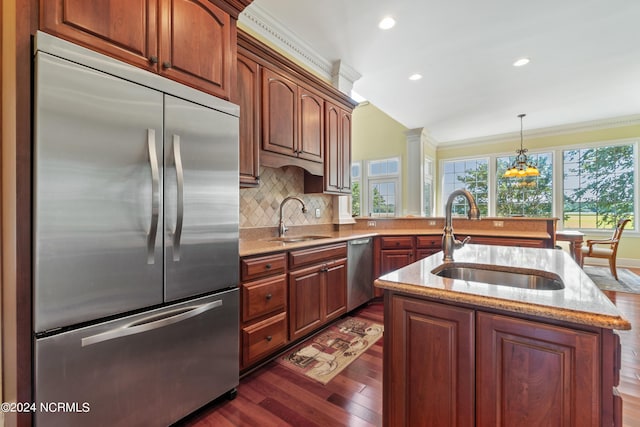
(311,139)
(431,348)
(124,29)
(249,101)
(279,111)
(534,374)
(391,260)
(332,149)
(345,151)
(201,58)
(305,298)
(336,290)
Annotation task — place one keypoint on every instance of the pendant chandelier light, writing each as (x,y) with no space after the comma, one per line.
(521,166)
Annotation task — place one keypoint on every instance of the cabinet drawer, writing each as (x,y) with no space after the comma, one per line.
(431,242)
(263,297)
(263,338)
(314,255)
(398,242)
(252,268)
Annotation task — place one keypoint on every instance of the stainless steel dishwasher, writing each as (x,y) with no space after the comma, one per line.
(359,272)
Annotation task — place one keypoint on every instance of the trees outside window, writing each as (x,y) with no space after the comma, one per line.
(598,186)
(471,174)
(530,196)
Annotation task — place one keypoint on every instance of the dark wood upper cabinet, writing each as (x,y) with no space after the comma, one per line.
(195,45)
(124,29)
(311,127)
(279,112)
(191,41)
(248,98)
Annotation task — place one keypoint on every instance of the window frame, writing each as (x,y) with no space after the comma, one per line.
(557,180)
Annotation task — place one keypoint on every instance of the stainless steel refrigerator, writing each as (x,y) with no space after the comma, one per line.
(135,242)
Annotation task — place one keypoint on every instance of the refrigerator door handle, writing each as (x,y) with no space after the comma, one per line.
(177,155)
(151,322)
(155,196)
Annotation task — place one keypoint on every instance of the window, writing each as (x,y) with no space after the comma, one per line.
(427,187)
(383,179)
(598,186)
(355,189)
(471,174)
(531,196)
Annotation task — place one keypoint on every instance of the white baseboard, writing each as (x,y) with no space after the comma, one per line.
(620,262)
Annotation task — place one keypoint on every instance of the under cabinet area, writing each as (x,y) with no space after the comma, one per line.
(463,366)
(192,42)
(288,295)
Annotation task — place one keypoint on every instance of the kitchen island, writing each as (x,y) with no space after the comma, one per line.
(459,352)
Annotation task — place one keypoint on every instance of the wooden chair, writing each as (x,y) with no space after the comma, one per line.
(609,252)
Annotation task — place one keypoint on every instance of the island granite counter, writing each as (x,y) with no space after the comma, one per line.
(466,353)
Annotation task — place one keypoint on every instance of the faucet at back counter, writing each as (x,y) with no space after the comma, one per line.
(449,242)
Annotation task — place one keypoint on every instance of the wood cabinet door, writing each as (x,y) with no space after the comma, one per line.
(123,29)
(428,364)
(535,374)
(345,151)
(305,308)
(279,112)
(335,290)
(311,127)
(337,166)
(196,46)
(249,101)
(393,259)
(332,165)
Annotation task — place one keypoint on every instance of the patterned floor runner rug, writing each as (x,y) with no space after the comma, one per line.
(323,356)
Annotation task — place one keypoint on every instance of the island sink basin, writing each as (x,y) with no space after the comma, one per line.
(292,239)
(502,276)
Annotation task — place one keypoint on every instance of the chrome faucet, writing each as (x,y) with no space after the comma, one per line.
(281,227)
(449,242)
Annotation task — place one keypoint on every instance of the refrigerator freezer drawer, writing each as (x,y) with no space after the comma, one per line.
(150,369)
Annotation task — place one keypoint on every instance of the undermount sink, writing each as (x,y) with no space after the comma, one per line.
(292,239)
(503,276)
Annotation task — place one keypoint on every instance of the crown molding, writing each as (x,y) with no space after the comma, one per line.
(591,125)
(262,23)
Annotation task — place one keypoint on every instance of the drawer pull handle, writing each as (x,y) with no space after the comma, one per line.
(268,266)
(269,338)
(268,297)
(166,64)
(153,59)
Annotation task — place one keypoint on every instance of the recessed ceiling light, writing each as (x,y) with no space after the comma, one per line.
(520,62)
(386,23)
(415,76)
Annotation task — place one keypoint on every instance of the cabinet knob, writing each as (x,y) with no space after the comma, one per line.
(166,64)
(269,338)
(268,297)
(268,266)
(153,59)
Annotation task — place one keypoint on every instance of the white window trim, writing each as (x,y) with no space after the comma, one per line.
(558,179)
(365,179)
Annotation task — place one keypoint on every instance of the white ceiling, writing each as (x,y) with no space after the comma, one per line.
(585,59)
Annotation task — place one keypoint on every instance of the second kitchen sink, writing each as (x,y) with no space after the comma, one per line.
(503,276)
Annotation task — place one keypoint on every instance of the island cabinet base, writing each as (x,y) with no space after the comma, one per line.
(447,365)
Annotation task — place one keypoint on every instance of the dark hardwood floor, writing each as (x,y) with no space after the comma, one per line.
(274,396)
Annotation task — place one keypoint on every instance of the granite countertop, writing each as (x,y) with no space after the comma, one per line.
(581,301)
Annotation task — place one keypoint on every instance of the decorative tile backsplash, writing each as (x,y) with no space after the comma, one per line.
(259,207)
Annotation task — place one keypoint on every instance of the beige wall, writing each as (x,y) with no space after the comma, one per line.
(375,135)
